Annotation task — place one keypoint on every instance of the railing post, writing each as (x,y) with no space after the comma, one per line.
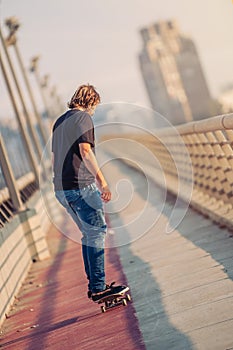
(25,137)
(13,25)
(34,69)
(57,100)
(26,113)
(43,131)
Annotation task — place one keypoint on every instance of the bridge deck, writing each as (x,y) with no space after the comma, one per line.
(52,310)
(181,282)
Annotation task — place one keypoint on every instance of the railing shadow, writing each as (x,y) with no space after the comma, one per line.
(158,332)
(41,334)
(195,227)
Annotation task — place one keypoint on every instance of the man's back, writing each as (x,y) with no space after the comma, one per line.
(71,129)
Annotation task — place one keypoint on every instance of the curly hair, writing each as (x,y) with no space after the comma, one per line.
(85,97)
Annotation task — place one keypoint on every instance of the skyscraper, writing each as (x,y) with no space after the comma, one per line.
(173,75)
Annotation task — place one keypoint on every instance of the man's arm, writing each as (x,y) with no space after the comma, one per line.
(52,159)
(91,163)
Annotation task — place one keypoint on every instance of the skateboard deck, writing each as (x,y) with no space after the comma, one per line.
(114,300)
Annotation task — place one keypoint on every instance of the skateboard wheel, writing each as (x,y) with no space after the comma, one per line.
(103,309)
(124,302)
(128,297)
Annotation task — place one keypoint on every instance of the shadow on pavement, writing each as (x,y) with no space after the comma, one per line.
(158,332)
(195,227)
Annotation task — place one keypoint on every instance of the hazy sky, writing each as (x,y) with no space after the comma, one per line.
(98,41)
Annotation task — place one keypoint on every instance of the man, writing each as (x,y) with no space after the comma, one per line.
(76,172)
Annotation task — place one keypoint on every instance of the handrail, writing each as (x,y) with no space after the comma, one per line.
(221,122)
(22,182)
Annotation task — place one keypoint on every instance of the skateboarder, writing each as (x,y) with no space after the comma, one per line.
(76,172)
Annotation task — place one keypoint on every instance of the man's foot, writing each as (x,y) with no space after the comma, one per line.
(110,290)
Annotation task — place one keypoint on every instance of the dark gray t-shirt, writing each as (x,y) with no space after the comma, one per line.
(71,129)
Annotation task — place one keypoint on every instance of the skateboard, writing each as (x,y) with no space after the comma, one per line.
(114,300)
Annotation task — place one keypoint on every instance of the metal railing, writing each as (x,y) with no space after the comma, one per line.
(24,165)
(21,146)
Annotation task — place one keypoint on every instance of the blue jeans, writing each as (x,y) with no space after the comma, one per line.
(86,208)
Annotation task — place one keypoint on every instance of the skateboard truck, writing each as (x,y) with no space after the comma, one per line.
(113,301)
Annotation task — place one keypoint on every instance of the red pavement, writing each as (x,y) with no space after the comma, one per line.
(53,312)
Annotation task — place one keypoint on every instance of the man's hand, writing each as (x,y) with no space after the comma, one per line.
(91,164)
(106,194)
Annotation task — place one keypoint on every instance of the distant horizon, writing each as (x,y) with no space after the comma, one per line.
(102,45)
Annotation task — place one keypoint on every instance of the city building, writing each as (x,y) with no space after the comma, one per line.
(173,74)
(226,99)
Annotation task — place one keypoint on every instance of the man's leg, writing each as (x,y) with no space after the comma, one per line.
(94,230)
(61,197)
(86,263)
(95,253)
